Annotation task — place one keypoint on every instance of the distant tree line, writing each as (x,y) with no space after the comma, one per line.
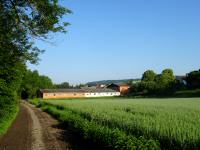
(151,83)
(65,85)
(62,85)
(32,82)
(164,83)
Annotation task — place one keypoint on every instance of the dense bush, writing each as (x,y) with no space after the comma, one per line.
(7,115)
(155,84)
(10,80)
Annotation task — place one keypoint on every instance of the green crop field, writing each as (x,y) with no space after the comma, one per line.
(156,123)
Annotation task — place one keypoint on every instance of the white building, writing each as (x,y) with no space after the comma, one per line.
(100,92)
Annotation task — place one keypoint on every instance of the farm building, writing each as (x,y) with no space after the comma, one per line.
(122,88)
(78,93)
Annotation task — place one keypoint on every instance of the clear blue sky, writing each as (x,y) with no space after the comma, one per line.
(117,39)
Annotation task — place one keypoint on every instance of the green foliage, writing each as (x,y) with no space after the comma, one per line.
(193,79)
(173,122)
(79,86)
(148,75)
(10,80)
(21,22)
(155,84)
(62,85)
(108,137)
(65,85)
(165,81)
(7,115)
(35,101)
(32,82)
(167,78)
(187,93)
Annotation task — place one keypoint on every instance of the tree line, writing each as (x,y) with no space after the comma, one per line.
(32,82)
(22,22)
(151,83)
(164,83)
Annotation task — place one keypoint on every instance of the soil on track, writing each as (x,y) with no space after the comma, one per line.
(34,129)
(18,133)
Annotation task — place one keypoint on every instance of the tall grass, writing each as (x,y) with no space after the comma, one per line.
(173,122)
(7,115)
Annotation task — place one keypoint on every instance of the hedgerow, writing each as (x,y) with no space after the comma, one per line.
(7,115)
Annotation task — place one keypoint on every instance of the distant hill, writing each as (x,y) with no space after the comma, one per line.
(111,81)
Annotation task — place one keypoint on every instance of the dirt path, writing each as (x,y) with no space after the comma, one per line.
(34,129)
(20,133)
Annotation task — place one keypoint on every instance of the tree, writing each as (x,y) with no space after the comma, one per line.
(153,83)
(45,82)
(148,75)
(165,82)
(148,82)
(168,73)
(193,79)
(62,85)
(24,20)
(168,78)
(21,22)
(32,82)
(79,86)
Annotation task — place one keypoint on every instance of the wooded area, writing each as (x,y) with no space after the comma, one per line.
(21,23)
(166,84)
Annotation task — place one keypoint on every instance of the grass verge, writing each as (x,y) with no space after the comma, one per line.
(7,116)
